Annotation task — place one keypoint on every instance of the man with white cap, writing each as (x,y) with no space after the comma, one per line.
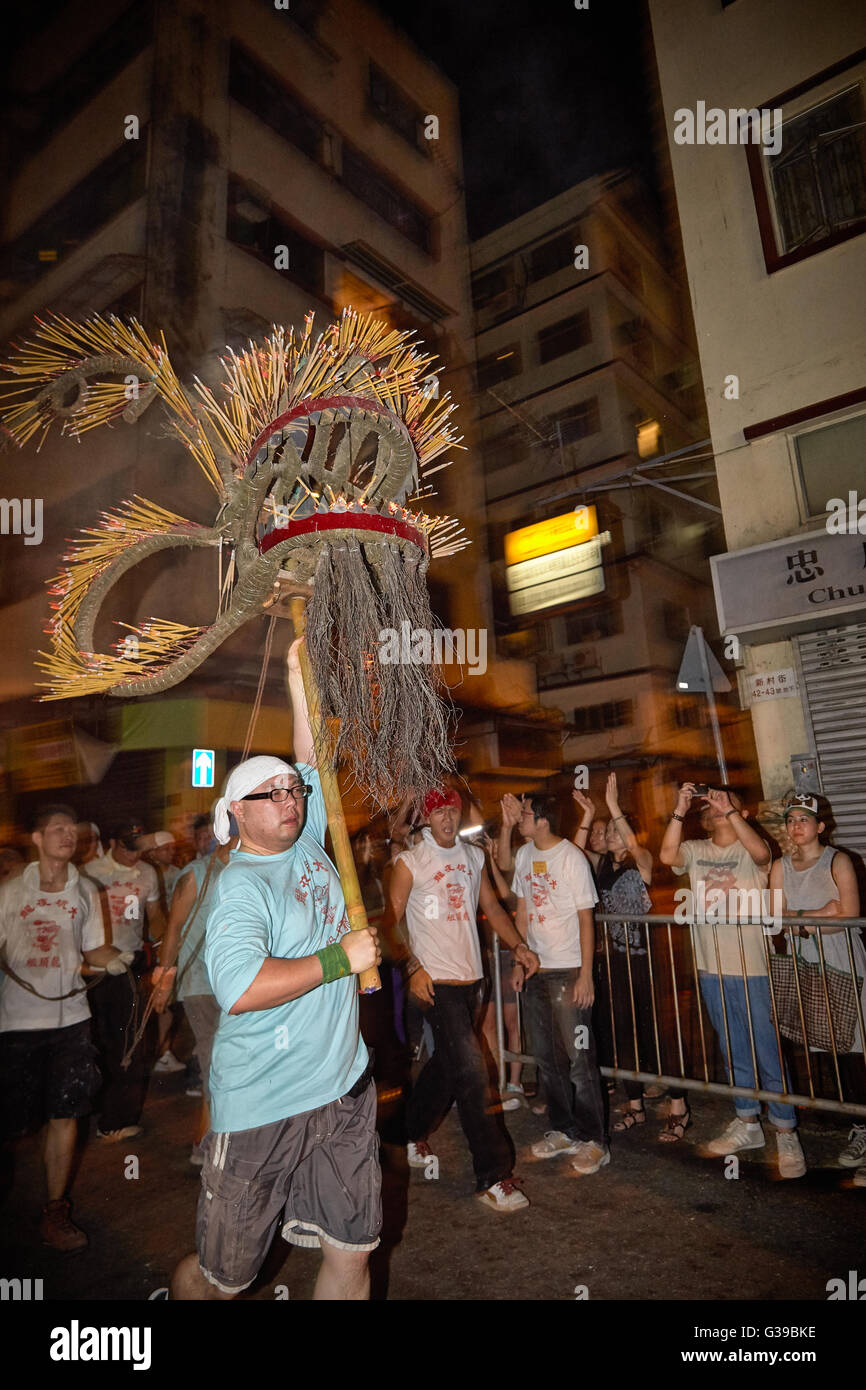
(293,1142)
(439,885)
(159,851)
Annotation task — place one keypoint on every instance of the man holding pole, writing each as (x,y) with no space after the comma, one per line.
(293,1108)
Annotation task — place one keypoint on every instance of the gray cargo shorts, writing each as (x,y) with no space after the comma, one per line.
(316,1175)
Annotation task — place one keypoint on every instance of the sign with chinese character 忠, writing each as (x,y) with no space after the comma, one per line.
(795,584)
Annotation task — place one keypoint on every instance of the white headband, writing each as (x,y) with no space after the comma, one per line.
(240,782)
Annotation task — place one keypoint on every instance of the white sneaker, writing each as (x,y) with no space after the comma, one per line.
(792,1163)
(504,1196)
(738,1135)
(418,1154)
(168,1063)
(860,1177)
(590,1157)
(513,1097)
(554,1143)
(854,1153)
(112,1136)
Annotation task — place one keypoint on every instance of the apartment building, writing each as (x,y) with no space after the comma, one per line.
(588,385)
(773,217)
(214,170)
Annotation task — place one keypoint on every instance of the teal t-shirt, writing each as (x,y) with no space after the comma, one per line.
(192,976)
(273,1063)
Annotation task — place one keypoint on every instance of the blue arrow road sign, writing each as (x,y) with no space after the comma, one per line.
(202,767)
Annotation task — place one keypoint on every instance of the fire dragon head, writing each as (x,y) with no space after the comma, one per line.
(319,452)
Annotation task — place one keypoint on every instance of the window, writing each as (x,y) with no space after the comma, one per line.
(498,366)
(809,186)
(115,183)
(566,335)
(552,256)
(396,109)
(818,180)
(373,188)
(260,92)
(594,625)
(578,422)
(830,461)
(252,224)
(94,69)
(675,621)
(506,449)
(596,719)
(688,713)
(490,285)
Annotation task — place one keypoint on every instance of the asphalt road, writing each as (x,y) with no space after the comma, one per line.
(660,1222)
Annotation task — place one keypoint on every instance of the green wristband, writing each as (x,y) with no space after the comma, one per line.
(335,963)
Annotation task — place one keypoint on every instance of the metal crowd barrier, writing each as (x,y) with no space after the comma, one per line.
(667,987)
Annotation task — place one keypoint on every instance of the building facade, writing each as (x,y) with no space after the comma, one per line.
(765,114)
(214,170)
(588,382)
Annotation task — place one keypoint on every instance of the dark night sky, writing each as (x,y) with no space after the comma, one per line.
(549,95)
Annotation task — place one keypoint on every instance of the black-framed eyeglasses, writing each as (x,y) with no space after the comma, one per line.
(299,790)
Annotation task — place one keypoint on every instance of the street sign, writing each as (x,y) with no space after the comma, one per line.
(202,767)
(699,670)
(699,666)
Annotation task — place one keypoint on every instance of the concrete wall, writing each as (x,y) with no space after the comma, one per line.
(794,337)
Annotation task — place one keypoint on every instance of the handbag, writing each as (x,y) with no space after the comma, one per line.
(841,993)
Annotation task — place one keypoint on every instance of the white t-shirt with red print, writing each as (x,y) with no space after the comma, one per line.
(442,907)
(44,936)
(554,884)
(127,891)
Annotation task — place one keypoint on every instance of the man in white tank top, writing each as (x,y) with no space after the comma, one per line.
(439,885)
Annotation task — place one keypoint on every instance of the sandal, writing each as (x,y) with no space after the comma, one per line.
(629,1120)
(675,1128)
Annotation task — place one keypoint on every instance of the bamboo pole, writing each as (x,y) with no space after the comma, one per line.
(369,981)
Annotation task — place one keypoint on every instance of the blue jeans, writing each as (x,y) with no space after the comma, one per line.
(570,1075)
(766,1050)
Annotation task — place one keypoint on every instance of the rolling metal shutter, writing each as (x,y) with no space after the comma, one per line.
(833,680)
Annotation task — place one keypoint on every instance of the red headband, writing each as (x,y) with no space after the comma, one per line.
(441,796)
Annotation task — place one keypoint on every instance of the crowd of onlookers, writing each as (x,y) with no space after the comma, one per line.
(630,1014)
(102,919)
(81,926)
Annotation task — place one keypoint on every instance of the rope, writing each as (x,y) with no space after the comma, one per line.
(148,1008)
(131,1022)
(54,998)
(262,678)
